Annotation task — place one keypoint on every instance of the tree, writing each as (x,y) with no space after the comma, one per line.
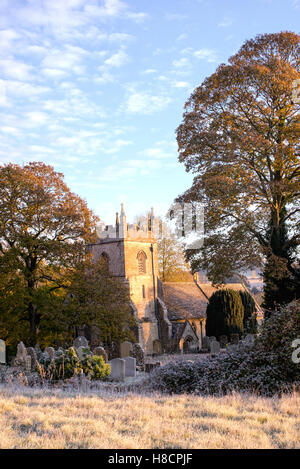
(249,321)
(225,313)
(43,231)
(171,261)
(99,301)
(240,136)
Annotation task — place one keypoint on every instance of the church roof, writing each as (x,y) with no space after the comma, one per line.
(208,289)
(184,300)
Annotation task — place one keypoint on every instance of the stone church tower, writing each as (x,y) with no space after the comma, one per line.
(131,253)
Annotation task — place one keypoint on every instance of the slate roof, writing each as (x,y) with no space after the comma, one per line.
(184,300)
(208,289)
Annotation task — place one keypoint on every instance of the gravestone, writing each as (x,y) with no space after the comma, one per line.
(232,348)
(117,369)
(22,359)
(82,352)
(125,349)
(130,366)
(212,338)
(51,352)
(223,341)
(205,342)
(249,339)
(234,339)
(32,353)
(214,347)
(2,352)
(80,341)
(100,351)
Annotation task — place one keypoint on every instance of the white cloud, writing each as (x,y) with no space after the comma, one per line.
(183,62)
(7,37)
(19,88)
(12,68)
(117,60)
(205,54)
(54,72)
(144,103)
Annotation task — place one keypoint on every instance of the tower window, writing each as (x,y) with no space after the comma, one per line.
(141,257)
(143,291)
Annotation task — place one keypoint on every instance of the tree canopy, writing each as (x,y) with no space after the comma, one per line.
(240,137)
(43,231)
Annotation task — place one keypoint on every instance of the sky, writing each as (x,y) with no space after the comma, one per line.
(96,88)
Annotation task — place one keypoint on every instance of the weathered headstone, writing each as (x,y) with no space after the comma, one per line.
(21,357)
(232,348)
(214,347)
(100,351)
(80,341)
(249,339)
(234,339)
(125,349)
(51,352)
(223,341)
(212,338)
(32,353)
(130,366)
(205,342)
(2,352)
(82,352)
(117,369)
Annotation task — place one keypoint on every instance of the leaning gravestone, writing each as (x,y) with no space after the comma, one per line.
(80,341)
(117,369)
(130,366)
(100,351)
(125,349)
(214,347)
(2,352)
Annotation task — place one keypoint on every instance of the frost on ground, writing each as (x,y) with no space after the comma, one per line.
(56,418)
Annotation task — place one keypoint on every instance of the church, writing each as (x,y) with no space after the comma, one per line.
(170,315)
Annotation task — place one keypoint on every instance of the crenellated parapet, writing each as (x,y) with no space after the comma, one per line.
(146,228)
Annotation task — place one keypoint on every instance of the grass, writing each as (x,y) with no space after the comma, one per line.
(33,418)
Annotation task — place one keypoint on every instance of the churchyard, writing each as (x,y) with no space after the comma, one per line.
(123,410)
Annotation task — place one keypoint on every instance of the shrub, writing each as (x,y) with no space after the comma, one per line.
(249,321)
(265,368)
(67,364)
(225,313)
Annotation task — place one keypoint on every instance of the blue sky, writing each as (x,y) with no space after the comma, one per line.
(96,88)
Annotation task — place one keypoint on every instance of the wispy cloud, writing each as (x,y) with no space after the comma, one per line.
(145,103)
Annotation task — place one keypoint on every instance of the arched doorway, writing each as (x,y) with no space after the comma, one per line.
(187,344)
